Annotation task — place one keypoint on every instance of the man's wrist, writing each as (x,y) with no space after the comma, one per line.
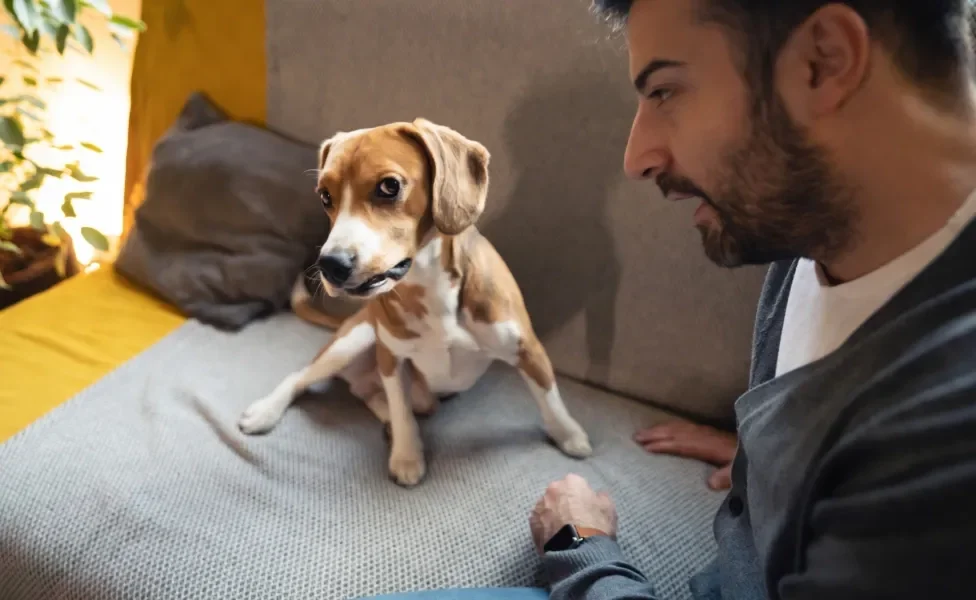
(571,536)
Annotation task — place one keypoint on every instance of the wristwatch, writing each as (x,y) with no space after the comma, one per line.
(569,537)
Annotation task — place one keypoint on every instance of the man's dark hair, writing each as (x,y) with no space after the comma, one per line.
(929,40)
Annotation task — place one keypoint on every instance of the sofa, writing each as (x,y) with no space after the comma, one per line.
(138,483)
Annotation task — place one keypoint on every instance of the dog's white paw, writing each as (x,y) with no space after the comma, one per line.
(407,469)
(260,417)
(572,440)
(577,446)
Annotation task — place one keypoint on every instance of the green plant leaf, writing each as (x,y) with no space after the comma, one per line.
(25,12)
(64,147)
(84,38)
(88,84)
(30,81)
(54,79)
(23,64)
(6,165)
(2,79)
(31,41)
(49,27)
(50,172)
(28,114)
(37,221)
(77,174)
(33,100)
(92,147)
(101,6)
(21,198)
(128,23)
(95,238)
(62,38)
(11,133)
(124,44)
(10,247)
(58,230)
(66,10)
(68,209)
(32,183)
(77,196)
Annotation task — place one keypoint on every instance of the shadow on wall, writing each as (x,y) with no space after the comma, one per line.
(566,139)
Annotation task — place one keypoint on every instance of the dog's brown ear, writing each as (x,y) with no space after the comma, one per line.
(459,178)
(324,149)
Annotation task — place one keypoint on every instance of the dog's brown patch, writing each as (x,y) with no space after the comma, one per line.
(385,360)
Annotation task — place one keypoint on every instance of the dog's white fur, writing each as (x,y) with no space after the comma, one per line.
(435,345)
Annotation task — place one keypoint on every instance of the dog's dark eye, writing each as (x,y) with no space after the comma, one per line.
(326,198)
(388,188)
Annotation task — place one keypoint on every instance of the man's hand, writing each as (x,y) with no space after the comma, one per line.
(571,501)
(694,441)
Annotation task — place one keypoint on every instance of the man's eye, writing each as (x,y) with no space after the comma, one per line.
(326,198)
(660,95)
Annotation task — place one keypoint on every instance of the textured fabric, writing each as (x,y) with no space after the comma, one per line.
(216,47)
(470,594)
(855,474)
(624,296)
(142,486)
(59,342)
(820,316)
(229,221)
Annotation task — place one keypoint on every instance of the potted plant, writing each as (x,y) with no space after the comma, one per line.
(35,250)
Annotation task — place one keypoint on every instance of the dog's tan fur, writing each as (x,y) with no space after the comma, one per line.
(457,309)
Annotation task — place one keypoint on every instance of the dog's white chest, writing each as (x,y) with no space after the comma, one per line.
(447,355)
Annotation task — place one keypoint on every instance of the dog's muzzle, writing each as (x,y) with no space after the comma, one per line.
(398,272)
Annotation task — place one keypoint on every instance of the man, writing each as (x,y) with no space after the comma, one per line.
(837,143)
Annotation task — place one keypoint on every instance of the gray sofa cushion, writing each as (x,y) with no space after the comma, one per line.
(615,279)
(142,486)
(230,218)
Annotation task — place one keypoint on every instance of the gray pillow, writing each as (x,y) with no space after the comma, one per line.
(230,218)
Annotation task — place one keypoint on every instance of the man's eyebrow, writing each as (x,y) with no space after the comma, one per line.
(652,67)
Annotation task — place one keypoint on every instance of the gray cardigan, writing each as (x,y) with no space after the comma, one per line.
(855,475)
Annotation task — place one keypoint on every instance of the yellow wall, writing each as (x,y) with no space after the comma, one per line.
(214,46)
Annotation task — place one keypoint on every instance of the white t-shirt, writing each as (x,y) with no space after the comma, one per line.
(820,317)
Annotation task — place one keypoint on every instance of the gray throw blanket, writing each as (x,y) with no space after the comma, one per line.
(141,487)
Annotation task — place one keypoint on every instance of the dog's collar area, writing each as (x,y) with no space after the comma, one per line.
(397,273)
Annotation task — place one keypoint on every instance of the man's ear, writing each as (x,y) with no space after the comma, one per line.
(459,177)
(826,60)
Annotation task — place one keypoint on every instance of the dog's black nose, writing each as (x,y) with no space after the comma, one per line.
(337,266)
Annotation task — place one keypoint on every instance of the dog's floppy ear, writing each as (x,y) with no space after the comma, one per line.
(325,147)
(459,178)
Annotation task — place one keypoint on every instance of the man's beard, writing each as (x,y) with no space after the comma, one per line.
(777,198)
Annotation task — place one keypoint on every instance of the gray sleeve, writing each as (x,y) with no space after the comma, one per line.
(596,570)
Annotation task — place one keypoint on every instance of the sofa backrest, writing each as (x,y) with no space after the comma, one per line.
(614,277)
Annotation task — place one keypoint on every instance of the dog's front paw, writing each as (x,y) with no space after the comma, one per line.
(407,469)
(260,417)
(577,446)
(572,440)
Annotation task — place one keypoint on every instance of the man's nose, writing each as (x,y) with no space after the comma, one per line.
(337,266)
(646,153)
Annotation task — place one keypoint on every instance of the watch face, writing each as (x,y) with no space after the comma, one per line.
(564,539)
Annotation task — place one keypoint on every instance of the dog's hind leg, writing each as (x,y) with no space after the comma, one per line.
(355,337)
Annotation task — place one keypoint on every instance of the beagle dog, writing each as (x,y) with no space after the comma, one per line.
(439,303)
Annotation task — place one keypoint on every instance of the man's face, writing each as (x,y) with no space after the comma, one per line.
(766,192)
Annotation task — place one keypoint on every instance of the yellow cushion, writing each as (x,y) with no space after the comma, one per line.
(61,341)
